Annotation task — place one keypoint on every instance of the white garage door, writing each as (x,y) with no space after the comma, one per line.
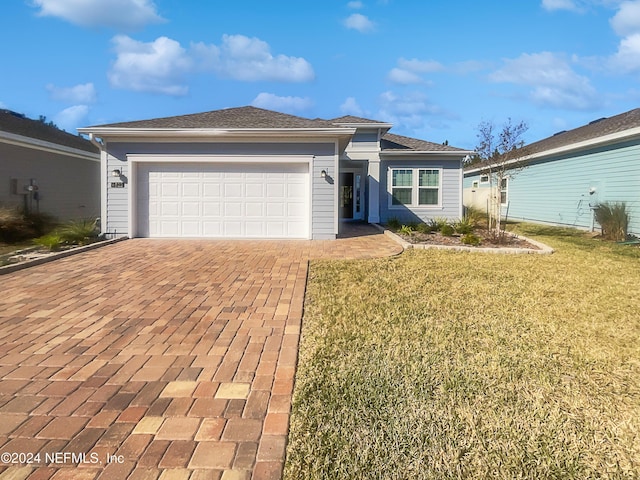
(246,200)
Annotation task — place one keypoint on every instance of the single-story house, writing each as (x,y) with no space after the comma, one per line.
(44,169)
(566,175)
(253,173)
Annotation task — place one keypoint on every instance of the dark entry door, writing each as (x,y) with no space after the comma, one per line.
(346,195)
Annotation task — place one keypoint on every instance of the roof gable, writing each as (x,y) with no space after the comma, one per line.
(350,119)
(18,124)
(391,142)
(240,117)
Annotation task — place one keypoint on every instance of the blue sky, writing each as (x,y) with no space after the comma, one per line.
(435,69)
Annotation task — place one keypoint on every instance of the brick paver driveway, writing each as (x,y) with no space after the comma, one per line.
(168,359)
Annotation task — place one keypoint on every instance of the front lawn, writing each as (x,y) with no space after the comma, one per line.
(439,364)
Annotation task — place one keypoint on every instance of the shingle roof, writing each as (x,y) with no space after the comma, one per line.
(17,124)
(352,119)
(392,142)
(240,117)
(593,130)
(253,117)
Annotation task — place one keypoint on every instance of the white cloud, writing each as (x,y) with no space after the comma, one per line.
(627,19)
(250,59)
(161,66)
(359,22)
(420,66)
(403,77)
(83,93)
(70,118)
(118,14)
(157,66)
(355,5)
(553,81)
(282,104)
(552,5)
(350,107)
(407,72)
(627,58)
(410,110)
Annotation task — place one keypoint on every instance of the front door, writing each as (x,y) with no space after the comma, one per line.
(346,195)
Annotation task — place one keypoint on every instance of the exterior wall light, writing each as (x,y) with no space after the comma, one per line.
(323,174)
(116,173)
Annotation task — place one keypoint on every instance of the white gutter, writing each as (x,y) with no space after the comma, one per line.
(593,142)
(447,153)
(98,143)
(220,132)
(22,141)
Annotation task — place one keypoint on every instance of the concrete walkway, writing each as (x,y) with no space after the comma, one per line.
(155,359)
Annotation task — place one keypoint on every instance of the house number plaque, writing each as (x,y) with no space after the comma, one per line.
(117,184)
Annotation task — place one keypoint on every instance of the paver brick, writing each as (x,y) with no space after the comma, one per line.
(147,339)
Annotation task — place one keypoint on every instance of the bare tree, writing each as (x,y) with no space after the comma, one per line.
(502,155)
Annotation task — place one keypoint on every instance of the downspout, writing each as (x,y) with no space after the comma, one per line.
(103,181)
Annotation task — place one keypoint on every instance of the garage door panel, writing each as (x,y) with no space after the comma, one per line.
(223,200)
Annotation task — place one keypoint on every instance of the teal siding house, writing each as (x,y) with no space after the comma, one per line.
(569,173)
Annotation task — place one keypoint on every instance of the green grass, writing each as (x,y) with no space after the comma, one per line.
(440,364)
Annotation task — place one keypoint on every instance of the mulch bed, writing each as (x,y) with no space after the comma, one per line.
(486,241)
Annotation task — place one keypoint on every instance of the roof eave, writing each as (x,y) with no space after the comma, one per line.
(594,142)
(216,132)
(37,144)
(451,153)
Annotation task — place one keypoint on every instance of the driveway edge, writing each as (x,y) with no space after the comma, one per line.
(55,256)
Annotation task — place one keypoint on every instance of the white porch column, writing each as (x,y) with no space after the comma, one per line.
(373,176)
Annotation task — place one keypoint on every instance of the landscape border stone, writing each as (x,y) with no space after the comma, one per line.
(544,249)
(14,267)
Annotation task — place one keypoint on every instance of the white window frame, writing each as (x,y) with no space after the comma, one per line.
(484,178)
(505,190)
(474,184)
(415,188)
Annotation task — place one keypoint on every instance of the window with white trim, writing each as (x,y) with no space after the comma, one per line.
(415,187)
(504,191)
(484,178)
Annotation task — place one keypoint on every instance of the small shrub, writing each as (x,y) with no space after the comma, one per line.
(447,230)
(614,220)
(16,226)
(440,222)
(79,232)
(407,230)
(464,226)
(475,215)
(393,223)
(52,241)
(423,228)
(470,239)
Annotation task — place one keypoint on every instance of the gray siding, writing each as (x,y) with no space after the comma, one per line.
(451,189)
(556,191)
(323,208)
(69,187)
(364,140)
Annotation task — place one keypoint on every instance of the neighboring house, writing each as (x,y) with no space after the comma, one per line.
(44,169)
(253,173)
(569,173)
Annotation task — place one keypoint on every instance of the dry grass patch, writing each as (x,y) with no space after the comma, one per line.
(441,364)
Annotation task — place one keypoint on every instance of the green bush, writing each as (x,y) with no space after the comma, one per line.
(16,226)
(407,230)
(440,222)
(475,215)
(470,239)
(393,223)
(79,232)
(614,220)
(447,230)
(423,228)
(464,226)
(52,241)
